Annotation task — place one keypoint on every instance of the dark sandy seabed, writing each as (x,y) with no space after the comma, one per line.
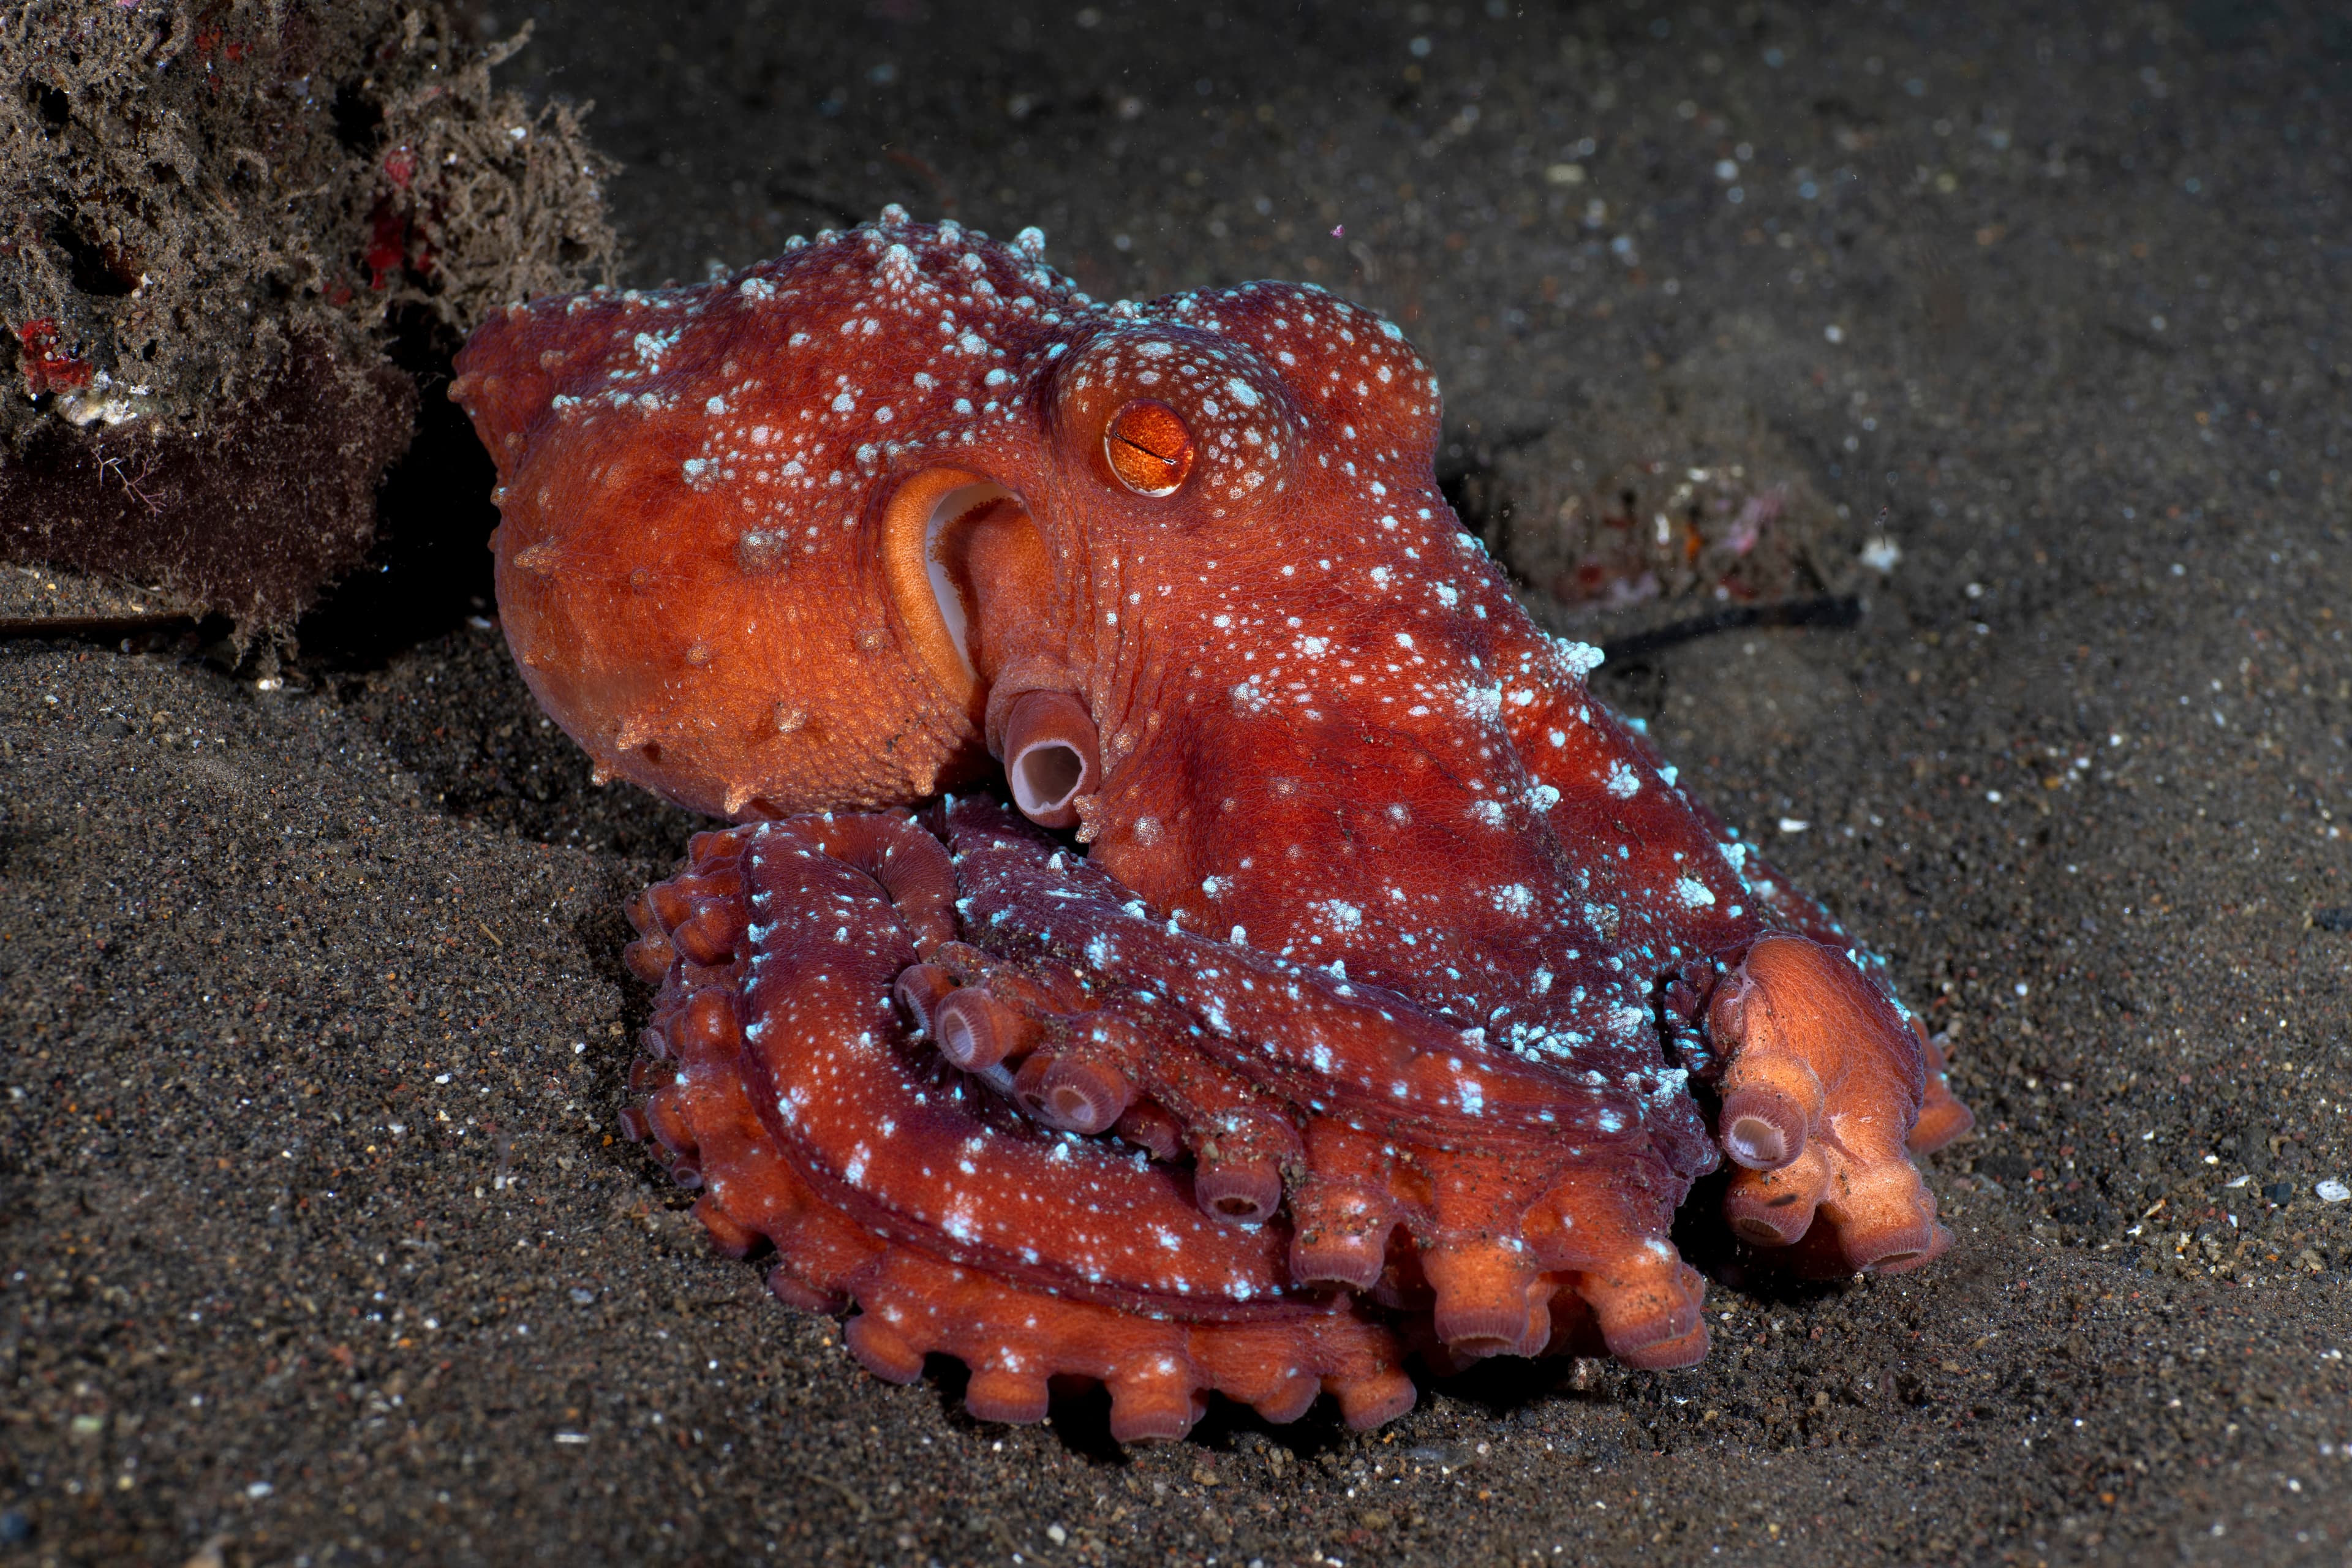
(315,1242)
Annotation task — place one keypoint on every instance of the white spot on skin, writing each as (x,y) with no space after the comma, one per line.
(1624,782)
(1693,892)
(1578,658)
(1339,914)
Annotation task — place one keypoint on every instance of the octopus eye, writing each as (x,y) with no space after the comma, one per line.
(1149,447)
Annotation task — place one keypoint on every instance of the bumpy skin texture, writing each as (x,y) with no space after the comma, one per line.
(1390,991)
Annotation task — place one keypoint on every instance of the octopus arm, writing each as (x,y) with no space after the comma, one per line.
(1834,1094)
(881,1191)
(1363,1050)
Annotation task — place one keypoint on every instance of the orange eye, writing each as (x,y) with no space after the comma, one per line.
(1149,447)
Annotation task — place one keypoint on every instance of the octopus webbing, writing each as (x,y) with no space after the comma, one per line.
(1183,925)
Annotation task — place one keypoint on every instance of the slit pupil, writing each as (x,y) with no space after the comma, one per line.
(1163,458)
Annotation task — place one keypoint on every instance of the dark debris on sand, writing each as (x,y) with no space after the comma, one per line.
(233,240)
(315,1243)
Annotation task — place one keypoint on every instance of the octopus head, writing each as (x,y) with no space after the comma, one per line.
(863,522)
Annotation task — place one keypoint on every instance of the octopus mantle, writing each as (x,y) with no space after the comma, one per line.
(1342,980)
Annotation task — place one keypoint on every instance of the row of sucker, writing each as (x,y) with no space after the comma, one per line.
(799,934)
(1397,1203)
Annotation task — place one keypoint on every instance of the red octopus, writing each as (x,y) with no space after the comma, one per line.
(1349,982)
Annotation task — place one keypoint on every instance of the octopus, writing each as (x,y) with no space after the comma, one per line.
(1180,925)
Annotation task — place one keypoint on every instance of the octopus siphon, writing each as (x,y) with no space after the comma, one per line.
(1182,926)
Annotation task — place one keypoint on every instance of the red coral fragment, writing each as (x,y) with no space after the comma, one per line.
(46,368)
(387,250)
